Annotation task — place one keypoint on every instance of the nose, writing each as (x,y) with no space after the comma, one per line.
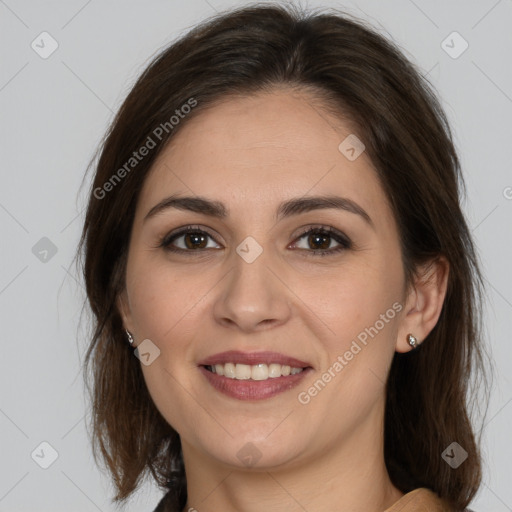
(252,297)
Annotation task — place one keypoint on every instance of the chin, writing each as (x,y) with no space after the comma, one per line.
(255,452)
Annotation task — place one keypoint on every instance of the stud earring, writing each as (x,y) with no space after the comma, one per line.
(129,336)
(413,342)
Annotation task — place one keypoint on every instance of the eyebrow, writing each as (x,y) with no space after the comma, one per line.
(286,209)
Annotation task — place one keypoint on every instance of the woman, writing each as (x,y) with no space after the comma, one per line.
(274,231)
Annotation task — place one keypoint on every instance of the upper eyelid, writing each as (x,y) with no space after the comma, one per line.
(179,232)
(186,229)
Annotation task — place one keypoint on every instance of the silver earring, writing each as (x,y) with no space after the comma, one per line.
(129,336)
(412,341)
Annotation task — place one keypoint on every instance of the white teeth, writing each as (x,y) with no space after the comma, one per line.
(255,372)
(274,370)
(259,372)
(229,370)
(242,372)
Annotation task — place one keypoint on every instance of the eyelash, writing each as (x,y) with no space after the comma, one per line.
(343,240)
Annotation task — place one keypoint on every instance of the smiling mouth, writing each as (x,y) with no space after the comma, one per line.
(239,381)
(255,372)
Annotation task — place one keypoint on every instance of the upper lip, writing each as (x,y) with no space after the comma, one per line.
(252,358)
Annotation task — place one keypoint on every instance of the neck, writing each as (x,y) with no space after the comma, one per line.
(349,475)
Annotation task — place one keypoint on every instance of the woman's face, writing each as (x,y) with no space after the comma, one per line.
(253,280)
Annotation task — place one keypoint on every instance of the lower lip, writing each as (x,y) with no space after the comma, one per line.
(253,389)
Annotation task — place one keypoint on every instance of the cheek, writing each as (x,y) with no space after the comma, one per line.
(355,299)
(362,309)
(166,308)
(161,297)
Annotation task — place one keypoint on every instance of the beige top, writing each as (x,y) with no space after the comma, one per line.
(420,500)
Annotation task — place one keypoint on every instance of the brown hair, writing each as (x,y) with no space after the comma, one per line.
(358,74)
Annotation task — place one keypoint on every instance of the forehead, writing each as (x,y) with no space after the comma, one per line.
(267,146)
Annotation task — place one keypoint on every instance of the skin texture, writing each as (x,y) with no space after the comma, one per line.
(252,153)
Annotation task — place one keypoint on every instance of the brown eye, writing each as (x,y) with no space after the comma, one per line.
(318,241)
(187,240)
(195,240)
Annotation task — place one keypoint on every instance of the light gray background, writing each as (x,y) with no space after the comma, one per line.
(53,114)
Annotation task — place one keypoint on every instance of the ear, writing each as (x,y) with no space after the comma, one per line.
(424,302)
(124,309)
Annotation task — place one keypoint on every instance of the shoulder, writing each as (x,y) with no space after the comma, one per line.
(421,500)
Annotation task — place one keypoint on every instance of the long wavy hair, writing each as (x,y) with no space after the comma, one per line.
(361,76)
